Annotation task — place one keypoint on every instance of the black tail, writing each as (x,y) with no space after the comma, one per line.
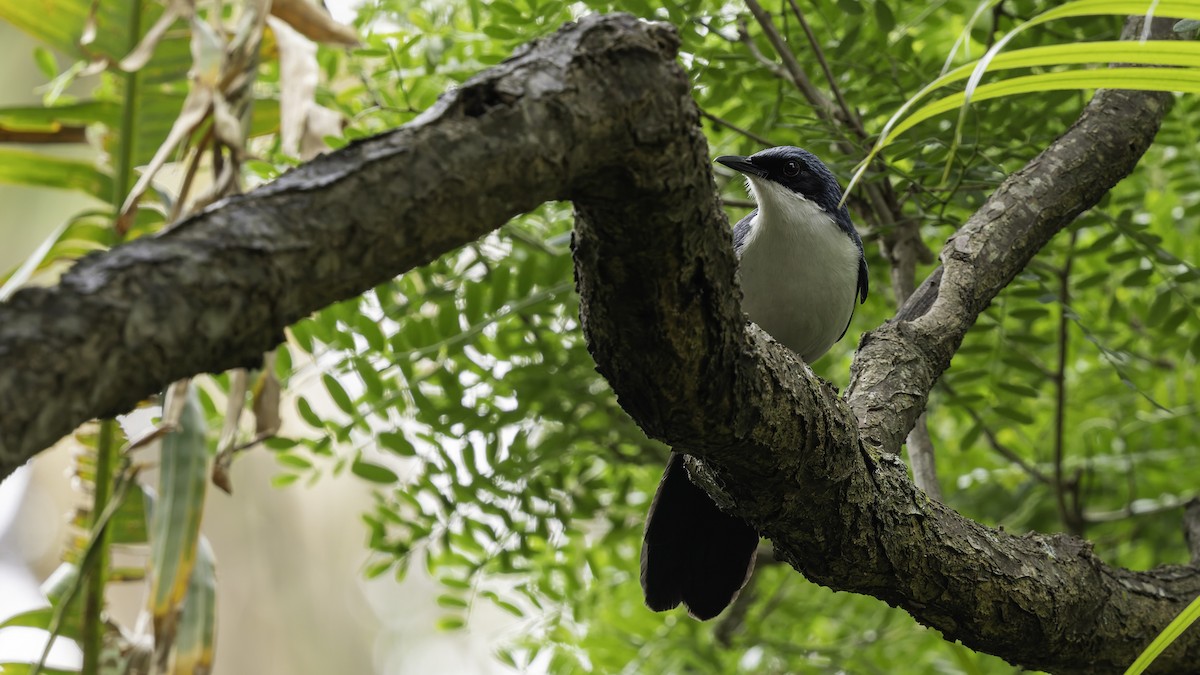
(693,552)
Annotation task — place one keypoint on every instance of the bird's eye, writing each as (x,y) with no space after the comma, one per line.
(791,169)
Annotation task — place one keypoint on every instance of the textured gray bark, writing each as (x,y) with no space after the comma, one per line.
(600,114)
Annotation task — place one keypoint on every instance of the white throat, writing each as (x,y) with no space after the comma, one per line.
(799,271)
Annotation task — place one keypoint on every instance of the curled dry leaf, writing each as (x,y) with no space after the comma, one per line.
(144,49)
(313,22)
(234,404)
(266,399)
(303,123)
(208,54)
(220,76)
(265,395)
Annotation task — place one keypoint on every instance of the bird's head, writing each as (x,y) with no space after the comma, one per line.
(786,172)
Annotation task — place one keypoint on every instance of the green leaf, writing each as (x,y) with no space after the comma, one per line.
(968,439)
(33,618)
(1137,278)
(308,414)
(1138,79)
(284,479)
(1092,281)
(283,363)
(378,568)
(499,32)
(509,607)
(69,18)
(22,167)
(1029,314)
(338,394)
(447,321)
(1149,52)
(370,378)
(293,461)
(45,62)
(498,281)
(506,657)
(302,332)
(474,302)
(459,584)
(373,472)
(396,442)
(1013,414)
(1177,319)
(1159,308)
(451,602)
(450,623)
(1122,256)
(526,276)
(851,7)
(175,531)
(1022,390)
(197,622)
(883,16)
(128,525)
(1100,244)
(373,334)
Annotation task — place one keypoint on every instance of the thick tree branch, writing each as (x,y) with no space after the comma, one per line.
(601,114)
(216,291)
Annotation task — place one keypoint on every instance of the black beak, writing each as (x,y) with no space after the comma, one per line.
(743,164)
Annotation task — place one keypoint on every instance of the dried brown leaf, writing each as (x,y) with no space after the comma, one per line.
(313,22)
(303,123)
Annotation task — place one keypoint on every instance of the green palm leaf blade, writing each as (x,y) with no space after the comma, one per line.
(175,524)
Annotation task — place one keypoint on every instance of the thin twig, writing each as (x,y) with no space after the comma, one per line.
(824,106)
(1070,516)
(999,447)
(744,37)
(762,140)
(848,114)
(1163,504)
(921,458)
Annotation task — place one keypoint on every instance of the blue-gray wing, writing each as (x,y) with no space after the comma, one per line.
(741,231)
(862,290)
(862,276)
(843,220)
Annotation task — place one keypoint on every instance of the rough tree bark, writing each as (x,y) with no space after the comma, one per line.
(600,114)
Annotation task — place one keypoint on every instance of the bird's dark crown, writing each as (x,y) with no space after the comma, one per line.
(794,168)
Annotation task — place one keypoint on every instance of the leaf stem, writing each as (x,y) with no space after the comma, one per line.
(92,639)
(1068,514)
(126,139)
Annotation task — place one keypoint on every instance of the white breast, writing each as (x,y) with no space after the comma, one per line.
(799,271)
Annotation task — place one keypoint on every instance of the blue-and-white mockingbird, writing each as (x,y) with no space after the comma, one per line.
(802,267)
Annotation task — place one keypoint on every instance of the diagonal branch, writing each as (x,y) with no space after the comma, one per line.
(216,291)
